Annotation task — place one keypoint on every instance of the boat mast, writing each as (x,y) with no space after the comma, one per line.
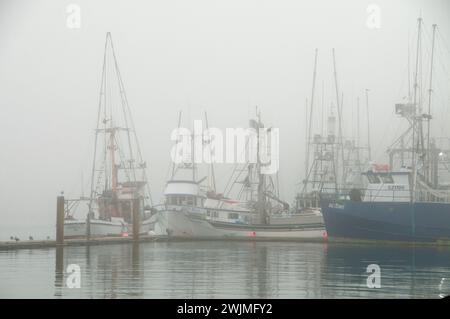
(261,178)
(305,180)
(414,121)
(125,108)
(174,165)
(101,97)
(213,176)
(308,137)
(112,150)
(369,149)
(339,110)
(430,91)
(194,177)
(358,158)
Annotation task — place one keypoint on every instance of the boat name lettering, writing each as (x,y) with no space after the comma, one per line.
(396,187)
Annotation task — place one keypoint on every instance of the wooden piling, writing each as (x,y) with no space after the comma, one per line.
(88,226)
(60,220)
(136,218)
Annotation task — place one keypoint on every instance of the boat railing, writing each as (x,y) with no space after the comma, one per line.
(71,206)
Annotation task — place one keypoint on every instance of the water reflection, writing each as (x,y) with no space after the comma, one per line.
(226,270)
(59,271)
(406,271)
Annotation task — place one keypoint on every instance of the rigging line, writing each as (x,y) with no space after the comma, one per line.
(409,69)
(229,180)
(444,42)
(123,159)
(406,75)
(123,107)
(138,149)
(229,184)
(440,49)
(235,168)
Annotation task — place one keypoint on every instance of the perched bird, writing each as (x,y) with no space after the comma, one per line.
(12,238)
(30,238)
(16,238)
(48,237)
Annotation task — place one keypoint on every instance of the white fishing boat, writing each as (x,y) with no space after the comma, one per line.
(119,184)
(194,210)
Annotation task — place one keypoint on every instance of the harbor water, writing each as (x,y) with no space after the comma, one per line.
(225,269)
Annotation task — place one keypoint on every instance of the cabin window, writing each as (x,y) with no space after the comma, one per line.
(190,201)
(387,179)
(373,179)
(233,216)
(208,213)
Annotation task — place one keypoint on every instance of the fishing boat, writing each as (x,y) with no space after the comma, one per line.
(195,211)
(407,200)
(119,186)
(335,160)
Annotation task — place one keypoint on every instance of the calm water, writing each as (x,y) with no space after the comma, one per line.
(225,270)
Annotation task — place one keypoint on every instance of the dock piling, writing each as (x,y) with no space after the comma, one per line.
(136,219)
(60,220)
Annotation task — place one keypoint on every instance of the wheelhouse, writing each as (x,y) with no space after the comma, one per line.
(183,193)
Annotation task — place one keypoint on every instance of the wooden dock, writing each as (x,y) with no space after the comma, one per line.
(39,244)
(42,244)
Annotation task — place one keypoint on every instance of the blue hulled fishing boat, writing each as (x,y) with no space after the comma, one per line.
(407,199)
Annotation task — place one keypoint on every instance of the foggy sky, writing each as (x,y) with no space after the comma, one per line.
(223,57)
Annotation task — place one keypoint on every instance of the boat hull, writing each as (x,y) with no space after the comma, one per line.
(100,228)
(176,223)
(387,221)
